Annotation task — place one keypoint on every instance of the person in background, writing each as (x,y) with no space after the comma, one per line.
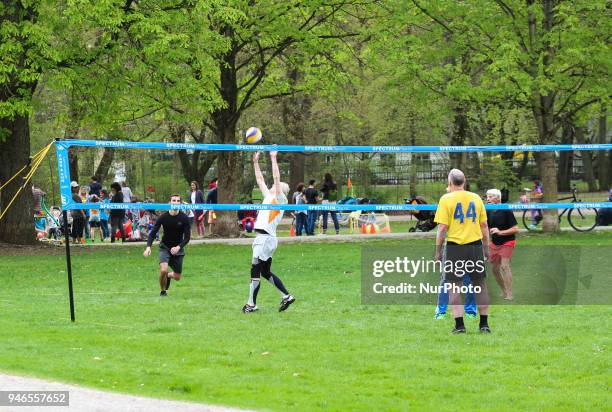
(104,214)
(312,197)
(196,196)
(78,215)
(330,195)
(127,192)
(94,186)
(53,219)
(117,215)
(211,198)
(212,184)
(300,215)
(84,194)
(94,220)
(38,195)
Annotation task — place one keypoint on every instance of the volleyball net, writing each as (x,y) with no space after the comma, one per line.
(388,177)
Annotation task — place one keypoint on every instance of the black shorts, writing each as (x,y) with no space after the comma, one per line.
(174,261)
(461,260)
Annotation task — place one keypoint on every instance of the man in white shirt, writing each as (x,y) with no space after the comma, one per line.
(265,242)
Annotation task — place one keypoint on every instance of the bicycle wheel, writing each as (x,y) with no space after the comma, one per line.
(527,222)
(582,220)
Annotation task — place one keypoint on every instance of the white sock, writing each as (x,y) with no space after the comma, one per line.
(253,287)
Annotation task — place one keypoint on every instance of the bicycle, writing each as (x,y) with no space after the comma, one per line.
(581,220)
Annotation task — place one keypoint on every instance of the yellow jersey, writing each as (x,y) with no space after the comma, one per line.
(462,212)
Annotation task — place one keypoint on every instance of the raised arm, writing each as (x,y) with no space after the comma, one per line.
(275,172)
(258,175)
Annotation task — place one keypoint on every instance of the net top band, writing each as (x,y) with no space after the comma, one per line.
(64,144)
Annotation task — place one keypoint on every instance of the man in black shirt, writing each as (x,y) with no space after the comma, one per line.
(177,232)
(503,227)
(312,197)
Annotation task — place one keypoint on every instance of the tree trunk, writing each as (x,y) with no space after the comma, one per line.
(564,174)
(105,164)
(523,167)
(296,112)
(459,137)
(413,163)
(227,185)
(604,158)
(297,167)
(587,161)
(17,225)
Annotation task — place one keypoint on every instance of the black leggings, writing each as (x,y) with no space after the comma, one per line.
(262,268)
(117,223)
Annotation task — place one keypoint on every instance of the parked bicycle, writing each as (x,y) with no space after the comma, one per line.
(581,220)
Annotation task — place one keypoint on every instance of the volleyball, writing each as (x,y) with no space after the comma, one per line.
(253,135)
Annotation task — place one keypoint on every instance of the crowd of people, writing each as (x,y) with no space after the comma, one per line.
(305,221)
(111,224)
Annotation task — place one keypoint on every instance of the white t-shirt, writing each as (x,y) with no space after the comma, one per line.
(193,197)
(268,220)
(127,194)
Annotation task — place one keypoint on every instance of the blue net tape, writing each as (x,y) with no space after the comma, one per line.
(332,207)
(67,202)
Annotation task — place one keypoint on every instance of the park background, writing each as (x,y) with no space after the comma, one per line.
(306,72)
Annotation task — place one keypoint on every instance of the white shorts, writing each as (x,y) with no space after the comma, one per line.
(264,247)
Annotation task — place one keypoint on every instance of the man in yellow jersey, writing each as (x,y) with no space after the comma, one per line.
(462,218)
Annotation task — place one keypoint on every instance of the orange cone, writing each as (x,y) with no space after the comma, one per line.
(292,231)
(386,229)
(363,229)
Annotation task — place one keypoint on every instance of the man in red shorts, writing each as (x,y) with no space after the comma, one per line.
(503,227)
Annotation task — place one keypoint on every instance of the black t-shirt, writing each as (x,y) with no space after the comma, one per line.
(76,213)
(503,220)
(177,230)
(117,213)
(311,195)
(211,197)
(94,188)
(330,191)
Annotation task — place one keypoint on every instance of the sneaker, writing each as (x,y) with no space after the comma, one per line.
(440,316)
(285,303)
(470,315)
(485,329)
(532,227)
(163,293)
(458,331)
(248,308)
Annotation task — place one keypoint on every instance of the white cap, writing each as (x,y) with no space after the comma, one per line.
(74,184)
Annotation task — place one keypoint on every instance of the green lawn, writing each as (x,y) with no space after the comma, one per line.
(327,352)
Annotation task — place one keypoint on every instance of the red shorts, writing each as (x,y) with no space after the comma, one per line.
(502,251)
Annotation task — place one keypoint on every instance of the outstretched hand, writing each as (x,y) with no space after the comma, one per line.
(256,156)
(273,154)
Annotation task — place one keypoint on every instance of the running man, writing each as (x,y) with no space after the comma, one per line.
(461,216)
(265,242)
(503,226)
(177,233)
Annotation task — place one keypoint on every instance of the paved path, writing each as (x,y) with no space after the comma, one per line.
(90,400)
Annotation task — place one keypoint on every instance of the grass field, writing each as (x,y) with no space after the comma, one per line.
(327,352)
